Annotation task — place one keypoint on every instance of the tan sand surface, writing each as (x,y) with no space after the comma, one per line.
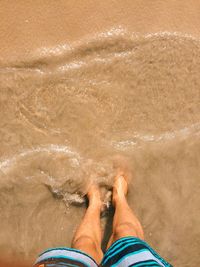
(82,81)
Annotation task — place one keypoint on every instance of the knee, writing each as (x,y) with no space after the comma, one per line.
(83,241)
(128,229)
(88,245)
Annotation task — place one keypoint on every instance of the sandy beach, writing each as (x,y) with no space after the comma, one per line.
(81,82)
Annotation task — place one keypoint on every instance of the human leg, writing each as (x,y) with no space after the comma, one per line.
(88,236)
(86,243)
(125,222)
(126,247)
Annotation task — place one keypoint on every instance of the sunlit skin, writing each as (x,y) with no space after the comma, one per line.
(88,236)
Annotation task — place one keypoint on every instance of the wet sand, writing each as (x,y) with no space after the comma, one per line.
(70,102)
(27,26)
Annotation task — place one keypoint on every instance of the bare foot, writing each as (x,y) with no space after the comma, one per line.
(120,187)
(93,195)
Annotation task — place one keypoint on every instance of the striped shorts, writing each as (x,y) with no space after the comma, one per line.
(125,252)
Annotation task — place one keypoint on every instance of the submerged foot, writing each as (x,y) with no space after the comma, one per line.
(94,195)
(120,187)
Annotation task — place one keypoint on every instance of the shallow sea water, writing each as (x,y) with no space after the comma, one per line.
(67,111)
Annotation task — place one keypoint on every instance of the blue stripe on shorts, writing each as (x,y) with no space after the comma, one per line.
(132,251)
(65,257)
(125,252)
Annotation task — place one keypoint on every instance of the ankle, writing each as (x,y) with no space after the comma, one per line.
(93,201)
(118,197)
